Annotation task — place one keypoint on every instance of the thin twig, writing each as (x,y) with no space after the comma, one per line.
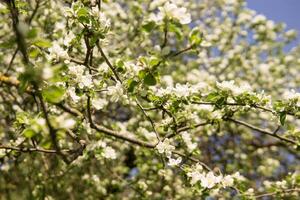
(149,119)
(108,62)
(30,149)
(261,130)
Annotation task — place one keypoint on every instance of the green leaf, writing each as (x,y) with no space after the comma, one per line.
(221,101)
(195,37)
(32,33)
(176,28)
(149,79)
(148,27)
(22,118)
(154,61)
(131,85)
(282,117)
(43,43)
(142,74)
(120,65)
(25,78)
(82,12)
(33,52)
(29,133)
(83,15)
(53,94)
(213,97)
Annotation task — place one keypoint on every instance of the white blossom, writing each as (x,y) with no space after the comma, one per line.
(104,21)
(172,11)
(227,181)
(165,147)
(210,180)
(76,70)
(99,103)
(195,177)
(230,86)
(68,38)
(291,94)
(2,153)
(258,19)
(115,92)
(73,95)
(57,52)
(109,152)
(174,162)
(188,141)
(47,73)
(64,121)
(85,81)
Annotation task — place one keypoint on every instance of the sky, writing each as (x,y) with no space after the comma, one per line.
(287,11)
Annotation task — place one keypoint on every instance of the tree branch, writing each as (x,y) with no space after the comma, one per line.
(273,134)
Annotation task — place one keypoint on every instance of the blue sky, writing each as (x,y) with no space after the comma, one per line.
(287,11)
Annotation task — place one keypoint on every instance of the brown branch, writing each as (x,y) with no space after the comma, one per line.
(182,51)
(149,119)
(193,159)
(236,104)
(284,191)
(273,134)
(30,149)
(108,62)
(185,128)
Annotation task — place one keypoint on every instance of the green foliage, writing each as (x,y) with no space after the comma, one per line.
(53,94)
(147,100)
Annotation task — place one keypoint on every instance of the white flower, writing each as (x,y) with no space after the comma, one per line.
(195,177)
(115,91)
(68,38)
(264,68)
(103,67)
(2,6)
(181,90)
(217,114)
(95,145)
(172,11)
(47,73)
(227,181)
(165,147)
(230,86)
(60,25)
(205,44)
(188,141)
(151,136)
(56,52)
(99,103)
(210,180)
(156,3)
(238,176)
(65,122)
(69,123)
(76,70)
(232,2)
(290,95)
(104,21)
(258,18)
(174,162)
(226,85)
(85,81)
(109,152)
(178,13)
(41,121)
(2,153)
(73,95)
